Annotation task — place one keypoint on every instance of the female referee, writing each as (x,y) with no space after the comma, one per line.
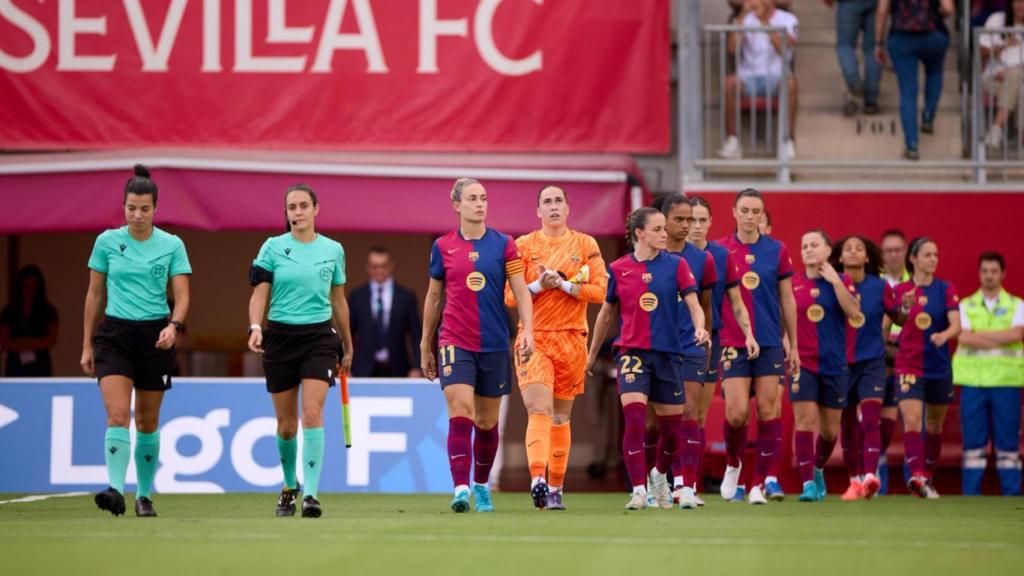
(825,301)
(928,310)
(302,273)
(134,346)
(655,349)
(861,260)
(765,273)
(469,268)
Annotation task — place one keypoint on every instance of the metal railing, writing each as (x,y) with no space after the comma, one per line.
(998,59)
(719,64)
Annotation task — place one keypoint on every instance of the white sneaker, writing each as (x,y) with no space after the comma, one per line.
(698,500)
(731,149)
(790,149)
(659,489)
(756,496)
(731,481)
(638,501)
(994,138)
(687,499)
(930,492)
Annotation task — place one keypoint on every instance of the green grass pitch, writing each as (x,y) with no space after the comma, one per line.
(416,535)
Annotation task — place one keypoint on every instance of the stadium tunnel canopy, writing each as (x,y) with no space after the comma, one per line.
(359,192)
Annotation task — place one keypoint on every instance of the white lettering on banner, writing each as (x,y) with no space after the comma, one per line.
(430,29)
(154,56)
(244,59)
(211,448)
(483,33)
(241,453)
(211,36)
(62,469)
(35,30)
(278,30)
(366,39)
(68,27)
(366,441)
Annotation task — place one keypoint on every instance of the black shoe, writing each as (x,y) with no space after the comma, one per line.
(539,493)
(144,507)
(111,500)
(311,507)
(286,502)
(912,154)
(871,109)
(927,125)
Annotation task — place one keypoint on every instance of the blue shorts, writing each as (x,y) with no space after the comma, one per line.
(930,390)
(765,85)
(827,391)
(489,373)
(771,362)
(658,375)
(891,392)
(867,381)
(716,359)
(694,368)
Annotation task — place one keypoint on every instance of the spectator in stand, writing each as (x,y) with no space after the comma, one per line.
(28,327)
(1003,58)
(917,34)
(853,18)
(760,70)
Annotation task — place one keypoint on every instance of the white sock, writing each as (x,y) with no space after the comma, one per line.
(536,480)
(640,489)
(854,479)
(461,487)
(677,482)
(769,479)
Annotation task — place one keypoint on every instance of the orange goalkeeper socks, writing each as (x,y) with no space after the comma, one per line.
(561,441)
(538,443)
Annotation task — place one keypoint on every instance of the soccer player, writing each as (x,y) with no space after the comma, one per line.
(825,301)
(302,273)
(727,282)
(766,272)
(772,487)
(928,310)
(644,290)
(860,259)
(894,258)
(469,268)
(134,346)
(564,271)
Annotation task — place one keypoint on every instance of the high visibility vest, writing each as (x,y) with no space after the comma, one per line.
(895,329)
(1003,366)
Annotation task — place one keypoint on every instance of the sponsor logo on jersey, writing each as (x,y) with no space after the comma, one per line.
(648,301)
(751,280)
(476,281)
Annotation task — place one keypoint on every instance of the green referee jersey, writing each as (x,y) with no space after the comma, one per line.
(303,275)
(137,272)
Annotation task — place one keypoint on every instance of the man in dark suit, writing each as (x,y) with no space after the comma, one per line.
(385,323)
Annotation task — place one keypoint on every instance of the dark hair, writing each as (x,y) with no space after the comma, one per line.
(894,232)
(748,193)
(1009,21)
(767,217)
(666,202)
(872,266)
(140,184)
(992,257)
(637,220)
(822,233)
(296,188)
(379,249)
(700,201)
(545,187)
(40,304)
(915,247)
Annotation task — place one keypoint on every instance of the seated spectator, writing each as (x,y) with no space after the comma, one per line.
(28,327)
(857,18)
(760,69)
(1003,59)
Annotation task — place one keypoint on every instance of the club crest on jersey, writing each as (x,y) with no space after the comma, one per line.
(922,300)
(575,258)
(476,281)
(816,313)
(158,270)
(751,280)
(923,321)
(325,273)
(647,277)
(630,378)
(815,292)
(750,258)
(648,301)
(447,371)
(857,321)
(474,256)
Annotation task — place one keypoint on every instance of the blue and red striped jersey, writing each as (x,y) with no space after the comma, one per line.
(474,274)
(727,277)
(824,346)
(928,315)
(867,332)
(648,294)
(761,265)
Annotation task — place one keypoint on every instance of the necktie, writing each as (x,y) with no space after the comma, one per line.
(380,342)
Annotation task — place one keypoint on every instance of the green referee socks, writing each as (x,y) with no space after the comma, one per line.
(147,455)
(312,459)
(116,446)
(289,451)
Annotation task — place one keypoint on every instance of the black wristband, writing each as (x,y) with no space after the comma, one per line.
(178,326)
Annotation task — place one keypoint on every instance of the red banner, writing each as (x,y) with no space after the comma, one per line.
(451,75)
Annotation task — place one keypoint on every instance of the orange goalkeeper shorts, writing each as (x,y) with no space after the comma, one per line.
(559,360)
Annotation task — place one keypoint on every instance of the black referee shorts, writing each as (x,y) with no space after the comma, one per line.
(128,348)
(292,353)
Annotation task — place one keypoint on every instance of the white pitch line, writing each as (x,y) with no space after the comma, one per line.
(600,540)
(38,497)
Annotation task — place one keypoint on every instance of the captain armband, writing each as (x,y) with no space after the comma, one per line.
(259,275)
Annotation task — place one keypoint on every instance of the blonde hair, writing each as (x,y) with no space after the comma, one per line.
(460,185)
